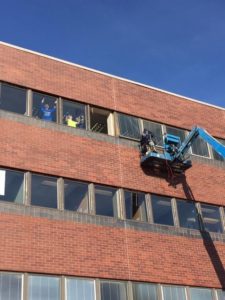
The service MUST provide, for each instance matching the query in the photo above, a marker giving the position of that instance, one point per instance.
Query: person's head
(46, 106)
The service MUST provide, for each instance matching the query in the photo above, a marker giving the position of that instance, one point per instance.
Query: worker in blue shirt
(47, 113)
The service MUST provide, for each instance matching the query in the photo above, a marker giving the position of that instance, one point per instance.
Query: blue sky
(175, 45)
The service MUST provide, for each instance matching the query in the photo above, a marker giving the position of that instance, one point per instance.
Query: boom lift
(174, 155)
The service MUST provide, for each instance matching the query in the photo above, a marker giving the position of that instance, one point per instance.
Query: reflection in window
(113, 290)
(200, 147)
(211, 218)
(176, 132)
(215, 154)
(129, 126)
(135, 206)
(44, 191)
(105, 201)
(44, 107)
(156, 129)
(221, 295)
(162, 210)
(144, 291)
(200, 294)
(174, 293)
(188, 215)
(101, 120)
(10, 286)
(11, 186)
(74, 114)
(80, 289)
(43, 288)
(12, 98)
(76, 196)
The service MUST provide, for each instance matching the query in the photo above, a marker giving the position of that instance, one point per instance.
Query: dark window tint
(143, 291)
(105, 201)
(101, 120)
(156, 129)
(135, 206)
(12, 98)
(221, 295)
(74, 114)
(162, 210)
(10, 286)
(80, 289)
(200, 147)
(174, 293)
(211, 218)
(44, 191)
(215, 154)
(43, 288)
(129, 126)
(113, 291)
(187, 213)
(76, 196)
(44, 107)
(176, 132)
(11, 186)
(200, 294)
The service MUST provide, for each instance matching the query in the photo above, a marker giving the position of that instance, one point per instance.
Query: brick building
(80, 219)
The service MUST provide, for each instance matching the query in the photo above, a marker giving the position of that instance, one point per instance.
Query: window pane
(174, 293)
(143, 291)
(221, 295)
(215, 154)
(211, 218)
(129, 126)
(176, 132)
(162, 210)
(12, 98)
(113, 291)
(11, 186)
(105, 201)
(10, 286)
(101, 120)
(199, 147)
(44, 191)
(80, 289)
(187, 213)
(44, 107)
(74, 114)
(76, 196)
(156, 129)
(135, 206)
(200, 294)
(43, 288)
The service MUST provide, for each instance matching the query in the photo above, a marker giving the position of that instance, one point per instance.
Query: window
(200, 294)
(156, 129)
(144, 291)
(80, 289)
(11, 186)
(74, 114)
(215, 154)
(43, 287)
(221, 295)
(187, 213)
(12, 98)
(44, 107)
(102, 121)
(105, 201)
(113, 290)
(44, 191)
(10, 286)
(211, 218)
(135, 206)
(176, 132)
(129, 126)
(173, 293)
(162, 210)
(76, 196)
(200, 147)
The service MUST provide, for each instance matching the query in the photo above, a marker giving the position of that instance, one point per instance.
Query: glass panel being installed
(129, 126)
(156, 129)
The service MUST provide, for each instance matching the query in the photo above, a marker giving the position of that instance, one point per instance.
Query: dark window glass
(176, 132)
(12, 98)
(200, 294)
(74, 114)
(113, 290)
(44, 191)
(129, 126)
(76, 196)
(43, 288)
(174, 293)
(211, 218)
(188, 215)
(105, 201)
(156, 129)
(10, 286)
(135, 206)
(162, 210)
(200, 147)
(144, 291)
(101, 120)
(11, 186)
(80, 289)
(221, 295)
(215, 154)
(44, 107)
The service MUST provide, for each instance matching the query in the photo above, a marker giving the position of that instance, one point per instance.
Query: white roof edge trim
(109, 75)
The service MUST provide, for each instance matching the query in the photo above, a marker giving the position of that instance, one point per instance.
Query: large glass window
(44, 107)
(200, 294)
(220, 295)
(215, 154)
(76, 196)
(74, 114)
(174, 293)
(200, 147)
(176, 132)
(129, 126)
(43, 288)
(162, 210)
(105, 201)
(188, 215)
(113, 290)
(10, 286)
(135, 206)
(156, 129)
(144, 291)
(101, 120)
(12, 98)
(211, 218)
(80, 289)
(11, 186)
(44, 191)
